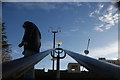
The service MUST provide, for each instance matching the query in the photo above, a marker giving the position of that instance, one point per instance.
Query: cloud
(91, 14)
(106, 50)
(75, 3)
(110, 18)
(107, 18)
(110, 50)
(99, 28)
(100, 6)
(112, 9)
(88, 4)
(17, 51)
(47, 5)
(97, 11)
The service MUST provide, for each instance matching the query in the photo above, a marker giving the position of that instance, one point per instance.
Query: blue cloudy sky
(79, 21)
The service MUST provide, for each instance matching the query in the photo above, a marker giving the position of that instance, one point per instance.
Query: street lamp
(59, 43)
(54, 38)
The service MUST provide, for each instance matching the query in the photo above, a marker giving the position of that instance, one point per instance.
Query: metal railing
(14, 69)
(96, 66)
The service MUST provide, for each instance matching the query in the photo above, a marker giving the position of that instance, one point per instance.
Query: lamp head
(59, 43)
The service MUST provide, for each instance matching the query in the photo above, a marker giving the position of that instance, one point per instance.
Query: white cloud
(113, 58)
(77, 4)
(91, 14)
(17, 51)
(97, 11)
(112, 9)
(101, 6)
(108, 26)
(106, 50)
(108, 18)
(99, 28)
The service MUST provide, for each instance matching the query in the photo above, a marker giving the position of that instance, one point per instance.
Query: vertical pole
(88, 43)
(54, 40)
(53, 47)
(58, 62)
(58, 66)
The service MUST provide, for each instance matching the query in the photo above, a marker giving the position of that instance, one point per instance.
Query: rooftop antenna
(87, 51)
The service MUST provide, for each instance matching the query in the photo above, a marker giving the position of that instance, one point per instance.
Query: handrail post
(58, 57)
(58, 66)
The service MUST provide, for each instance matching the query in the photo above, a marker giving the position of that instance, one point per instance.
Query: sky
(79, 21)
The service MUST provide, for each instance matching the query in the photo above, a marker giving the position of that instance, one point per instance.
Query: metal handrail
(14, 69)
(97, 66)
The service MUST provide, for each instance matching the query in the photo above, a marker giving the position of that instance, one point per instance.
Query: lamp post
(54, 38)
(58, 51)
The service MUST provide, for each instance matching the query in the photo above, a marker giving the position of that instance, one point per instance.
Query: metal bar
(58, 67)
(88, 44)
(53, 48)
(14, 69)
(97, 66)
(58, 62)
